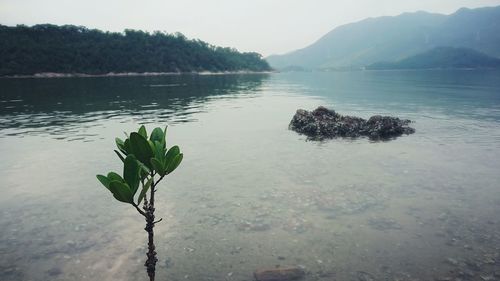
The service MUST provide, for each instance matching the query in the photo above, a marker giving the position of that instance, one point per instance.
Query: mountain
(73, 49)
(395, 38)
(442, 57)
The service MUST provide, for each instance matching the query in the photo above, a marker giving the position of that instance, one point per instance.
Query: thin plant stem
(150, 223)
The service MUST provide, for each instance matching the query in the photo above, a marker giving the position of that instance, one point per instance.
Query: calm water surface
(250, 193)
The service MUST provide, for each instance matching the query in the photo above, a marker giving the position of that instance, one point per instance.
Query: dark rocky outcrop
(323, 123)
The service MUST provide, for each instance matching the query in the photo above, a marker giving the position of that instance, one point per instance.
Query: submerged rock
(324, 123)
(384, 224)
(365, 276)
(279, 274)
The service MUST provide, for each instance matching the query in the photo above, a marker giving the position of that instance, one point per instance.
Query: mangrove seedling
(146, 161)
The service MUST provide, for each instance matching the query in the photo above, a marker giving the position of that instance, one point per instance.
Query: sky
(264, 26)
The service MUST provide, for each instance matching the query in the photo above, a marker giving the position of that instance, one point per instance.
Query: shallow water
(250, 193)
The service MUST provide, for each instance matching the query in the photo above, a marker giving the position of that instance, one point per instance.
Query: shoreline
(131, 74)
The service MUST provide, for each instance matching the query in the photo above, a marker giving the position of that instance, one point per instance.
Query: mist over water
(250, 193)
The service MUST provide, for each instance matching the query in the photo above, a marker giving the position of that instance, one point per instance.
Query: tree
(75, 49)
(145, 163)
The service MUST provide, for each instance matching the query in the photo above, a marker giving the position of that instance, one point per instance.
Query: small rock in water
(384, 224)
(189, 249)
(279, 274)
(452, 261)
(54, 271)
(323, 123)
(254, 226)
(444, 279)
(168, 262)
(365, 276)
(473, 265)
(9, 270)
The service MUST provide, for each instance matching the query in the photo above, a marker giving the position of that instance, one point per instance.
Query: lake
(251, 194)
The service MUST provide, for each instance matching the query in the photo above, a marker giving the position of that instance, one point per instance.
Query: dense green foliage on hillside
(73, 49)
(442, 57)
(394, 38)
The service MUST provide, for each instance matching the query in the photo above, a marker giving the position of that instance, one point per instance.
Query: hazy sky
(265, 26)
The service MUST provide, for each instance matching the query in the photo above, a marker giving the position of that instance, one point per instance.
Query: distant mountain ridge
(395, 38)
(442, 58)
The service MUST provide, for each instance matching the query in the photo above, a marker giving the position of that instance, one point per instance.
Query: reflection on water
(62, 106)
(251, 194)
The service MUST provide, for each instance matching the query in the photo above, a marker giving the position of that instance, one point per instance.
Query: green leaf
(121, 191)
(152, 145)
(142, 132)
(131, 173)
(165, 137)
(144, 190)
(141, 149)
(172, 152)
(158, 166)
(104, 180)
(175, 163)
(112, 176)
(119, 155)
(159, 151)
(126, 147)
(157, 135)
(119, 143)
(145, 171)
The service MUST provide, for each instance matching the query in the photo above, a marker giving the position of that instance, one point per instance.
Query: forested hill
(73, 49)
